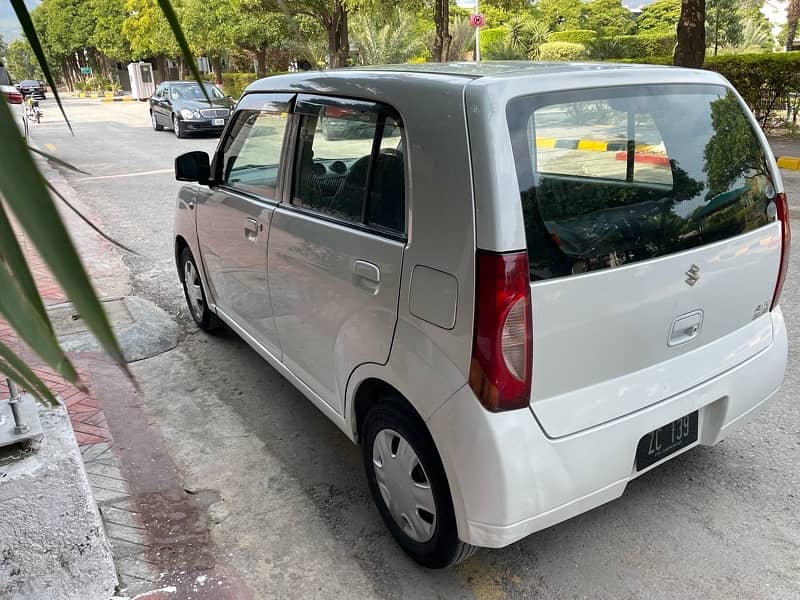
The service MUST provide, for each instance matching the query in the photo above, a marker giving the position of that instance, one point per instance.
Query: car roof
(374, 81)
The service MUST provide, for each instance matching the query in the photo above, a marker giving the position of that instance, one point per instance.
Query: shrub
(234, 83)
(764, 79)
(493, 37)
(633, 46)
(562, 51)
(574, 36)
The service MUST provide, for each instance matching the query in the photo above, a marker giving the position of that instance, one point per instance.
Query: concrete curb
(53, 538)
(589, 145)
(789, 162)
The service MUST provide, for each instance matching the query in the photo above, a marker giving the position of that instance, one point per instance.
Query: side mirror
(193, 166)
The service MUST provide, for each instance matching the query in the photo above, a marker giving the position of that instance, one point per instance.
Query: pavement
(219, 480)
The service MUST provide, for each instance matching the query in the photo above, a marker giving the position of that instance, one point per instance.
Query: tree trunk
(691, 48)
(792, 14)
(181, 68)
(261, 62)
(338, 36)
(216, 64)
(441, 18)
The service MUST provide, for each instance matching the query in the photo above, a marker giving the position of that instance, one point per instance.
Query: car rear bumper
(508, 479)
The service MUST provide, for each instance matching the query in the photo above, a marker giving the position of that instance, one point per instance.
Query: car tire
(156, 126)
(195, 294)
(178, 128)
(401, 458)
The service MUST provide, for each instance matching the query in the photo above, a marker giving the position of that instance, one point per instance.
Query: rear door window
(614, 176)
(349, 163)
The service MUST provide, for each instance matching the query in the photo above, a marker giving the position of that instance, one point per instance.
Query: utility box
(142, 84)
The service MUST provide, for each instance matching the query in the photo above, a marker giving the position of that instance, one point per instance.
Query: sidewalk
(109, 486)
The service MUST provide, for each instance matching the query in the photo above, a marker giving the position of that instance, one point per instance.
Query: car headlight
(188, 114)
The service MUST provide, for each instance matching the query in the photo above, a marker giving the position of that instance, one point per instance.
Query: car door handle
(251, 229)
(366, 275)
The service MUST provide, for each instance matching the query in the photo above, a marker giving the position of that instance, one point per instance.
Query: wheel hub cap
(404, 485)
(194, 291)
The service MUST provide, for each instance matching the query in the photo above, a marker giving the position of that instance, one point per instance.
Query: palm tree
(395, 42)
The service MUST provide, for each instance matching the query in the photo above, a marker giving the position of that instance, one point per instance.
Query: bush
(562, 51)
(574, 36)
(493, 37)
(764, 79)
(633, 46)
(234, 83)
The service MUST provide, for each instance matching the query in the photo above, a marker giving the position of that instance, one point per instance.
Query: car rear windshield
(4, 78)
(617, 175)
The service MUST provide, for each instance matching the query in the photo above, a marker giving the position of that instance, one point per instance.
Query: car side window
(349, 163)
(251, 154)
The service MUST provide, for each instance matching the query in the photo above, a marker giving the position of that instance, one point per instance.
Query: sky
(9, 26)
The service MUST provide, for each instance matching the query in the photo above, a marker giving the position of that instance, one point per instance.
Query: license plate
(219, 121)
(666, 440)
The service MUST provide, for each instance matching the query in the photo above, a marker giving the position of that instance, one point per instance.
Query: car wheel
(178, 128)
(156, 126)
(409, 486)
(195, 294)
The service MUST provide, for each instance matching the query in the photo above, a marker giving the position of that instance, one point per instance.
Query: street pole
(477, 37)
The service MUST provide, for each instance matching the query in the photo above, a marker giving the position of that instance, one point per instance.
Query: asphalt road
(293, 517)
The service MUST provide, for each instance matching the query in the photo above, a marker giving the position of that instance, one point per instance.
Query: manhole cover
(67, 321)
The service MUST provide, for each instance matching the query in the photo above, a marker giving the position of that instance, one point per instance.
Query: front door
(235, 215)
(336, 247)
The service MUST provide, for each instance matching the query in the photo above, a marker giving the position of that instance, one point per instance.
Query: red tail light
(14, 97)
(784, 218)
(501, 369)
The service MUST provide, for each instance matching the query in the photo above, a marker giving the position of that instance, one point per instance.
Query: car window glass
(613, 176)
(338, 160)
(252, 153)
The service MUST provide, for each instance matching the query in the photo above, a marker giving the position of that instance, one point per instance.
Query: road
(292, 515)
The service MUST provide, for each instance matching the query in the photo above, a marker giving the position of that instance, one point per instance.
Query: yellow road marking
(50, 147)
(593, 145)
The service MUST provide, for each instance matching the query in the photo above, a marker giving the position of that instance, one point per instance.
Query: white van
(517, 285)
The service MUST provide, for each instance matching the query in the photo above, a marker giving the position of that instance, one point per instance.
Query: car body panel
(165, 108)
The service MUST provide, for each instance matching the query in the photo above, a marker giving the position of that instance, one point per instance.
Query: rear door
(336, 245)
(234, 217)
(654, 247)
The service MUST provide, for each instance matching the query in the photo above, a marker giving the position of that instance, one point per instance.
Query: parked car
(182, 106)
(32, 87)
(532, 284)
(7, 88)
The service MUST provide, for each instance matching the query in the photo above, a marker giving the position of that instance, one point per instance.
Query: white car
(528, 285)
(10, 93)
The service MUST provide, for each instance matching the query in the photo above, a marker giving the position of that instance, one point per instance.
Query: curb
(118, 99)
(788, 162)
(590, 145)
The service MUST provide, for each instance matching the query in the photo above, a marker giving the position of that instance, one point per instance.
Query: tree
(148, 33)
(394, 42)
(691, 48)
(21, 61)
(109, 17)
(723, 24)
(3, 47)
(608, 17)
(209, 29)
(331, 14)
(257, 28)
(441, 19)
(561, 14)
(792, 15)
(661, 16)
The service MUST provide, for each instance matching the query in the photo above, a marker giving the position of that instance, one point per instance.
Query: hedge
(492, 36)
(764, 79)
(630, 46)
(573, 36)
(562, 51)
(235, 83)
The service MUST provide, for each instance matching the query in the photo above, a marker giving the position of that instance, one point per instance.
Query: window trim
(311, 105)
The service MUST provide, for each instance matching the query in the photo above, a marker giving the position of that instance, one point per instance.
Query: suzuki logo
(693, 275)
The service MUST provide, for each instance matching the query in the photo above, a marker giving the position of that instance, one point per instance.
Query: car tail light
(783, 216)
(501, 368)
(14, 97)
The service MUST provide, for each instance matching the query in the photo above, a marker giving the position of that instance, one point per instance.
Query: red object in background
(476, 20)
(642, 157)
(13, 97)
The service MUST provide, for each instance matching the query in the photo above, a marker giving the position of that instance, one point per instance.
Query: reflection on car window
(253, 152)
(338, 162)
(192, 91)
(611, 177)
